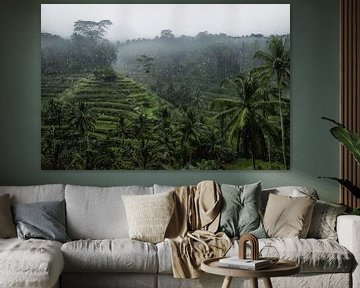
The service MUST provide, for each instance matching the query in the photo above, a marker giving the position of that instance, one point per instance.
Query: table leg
(254, 282)
(227, 282)
(267, 283)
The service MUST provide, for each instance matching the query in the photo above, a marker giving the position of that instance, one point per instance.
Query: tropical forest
(205, 102)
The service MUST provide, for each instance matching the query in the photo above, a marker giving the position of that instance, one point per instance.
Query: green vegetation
(207, 102)
(351, 142)
(85, 51)
(247, 164)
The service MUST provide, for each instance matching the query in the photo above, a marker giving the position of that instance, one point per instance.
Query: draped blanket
(191, 232)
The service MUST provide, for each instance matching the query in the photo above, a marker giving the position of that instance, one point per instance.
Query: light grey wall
(314, 92)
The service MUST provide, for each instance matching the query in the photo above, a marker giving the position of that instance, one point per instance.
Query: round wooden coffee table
(281, 268)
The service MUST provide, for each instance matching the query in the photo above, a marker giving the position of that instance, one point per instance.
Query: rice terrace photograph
(165, 86)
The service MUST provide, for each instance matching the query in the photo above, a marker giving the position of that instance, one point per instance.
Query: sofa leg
(227, 282)
(267, 282)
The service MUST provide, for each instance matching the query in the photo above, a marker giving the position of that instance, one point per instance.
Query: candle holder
(254, 246)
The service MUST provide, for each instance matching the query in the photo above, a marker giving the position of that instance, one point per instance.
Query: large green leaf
(348, 138)
(348, 185)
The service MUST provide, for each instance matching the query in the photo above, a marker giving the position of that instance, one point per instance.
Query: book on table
(249, 264)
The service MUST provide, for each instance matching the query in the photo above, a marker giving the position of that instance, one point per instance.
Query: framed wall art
(165, 86)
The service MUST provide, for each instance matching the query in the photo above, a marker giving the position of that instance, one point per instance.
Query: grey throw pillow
(44, 220)
(7, 227)
(240, 213)
(323, 222)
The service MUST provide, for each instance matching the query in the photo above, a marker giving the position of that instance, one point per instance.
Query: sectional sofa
(100, 253)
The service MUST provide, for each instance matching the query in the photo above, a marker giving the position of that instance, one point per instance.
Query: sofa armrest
(348, 230)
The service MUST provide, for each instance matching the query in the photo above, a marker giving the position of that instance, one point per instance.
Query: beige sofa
(101, 254)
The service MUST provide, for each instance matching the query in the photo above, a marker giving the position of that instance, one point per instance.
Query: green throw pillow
(240, 213)
(323, 222)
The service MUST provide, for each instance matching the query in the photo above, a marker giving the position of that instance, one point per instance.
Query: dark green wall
(314, 56)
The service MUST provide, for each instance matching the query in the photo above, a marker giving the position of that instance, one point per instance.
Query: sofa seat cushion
(30, 263)
(115, 255)
(313, 255)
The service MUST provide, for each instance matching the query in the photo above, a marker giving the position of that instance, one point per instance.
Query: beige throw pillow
(288, 217)
(7, 226)
(149, 215)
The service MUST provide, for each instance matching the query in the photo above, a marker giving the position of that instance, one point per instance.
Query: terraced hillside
(89, 122)
(112, 122)
(54, 85)
(109, 100)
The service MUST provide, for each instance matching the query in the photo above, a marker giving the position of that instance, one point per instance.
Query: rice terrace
(139, 89)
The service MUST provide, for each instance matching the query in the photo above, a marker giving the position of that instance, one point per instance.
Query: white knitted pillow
(149, 215)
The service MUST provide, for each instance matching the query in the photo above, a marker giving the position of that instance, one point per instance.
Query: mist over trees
(210, 101)
(204, 60)
(88, 49)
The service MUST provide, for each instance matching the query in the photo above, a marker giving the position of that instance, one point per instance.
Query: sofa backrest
(293, 191)
(36, 193)
(98, 212)
(162, 188)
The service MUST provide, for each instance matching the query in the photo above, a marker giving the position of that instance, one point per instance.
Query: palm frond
(226, 113)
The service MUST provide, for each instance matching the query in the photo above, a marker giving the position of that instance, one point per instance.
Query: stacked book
(248, 264)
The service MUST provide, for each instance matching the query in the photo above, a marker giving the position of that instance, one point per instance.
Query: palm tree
(142, 128)
(164, 134)
(53, 111)
(197, 101)
(163, 125)
(188, 128)
(82, 119)
(276, 64)
(121, 127)
(246, 122)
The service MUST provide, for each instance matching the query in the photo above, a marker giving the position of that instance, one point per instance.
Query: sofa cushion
(313, 255)
(240, 210)
(117, 255)
(98, 213)
(323, 222)
(149, 215)
(36, 193)
(164, 257)
(30, 263)
(287, 216)
(163, 188)
(7, 226)
(43, 220)
(291, 191)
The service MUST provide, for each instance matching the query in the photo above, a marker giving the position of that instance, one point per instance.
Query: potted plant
(351, 141)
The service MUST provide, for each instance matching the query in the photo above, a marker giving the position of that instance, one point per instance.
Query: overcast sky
(132, 21)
